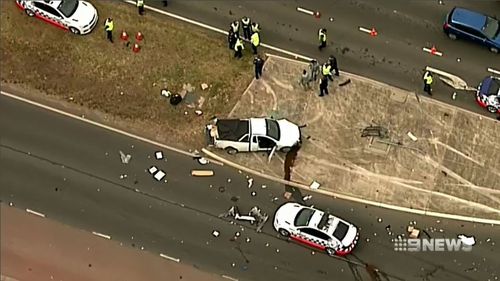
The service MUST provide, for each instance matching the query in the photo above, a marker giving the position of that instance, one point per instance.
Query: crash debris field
(449, 164)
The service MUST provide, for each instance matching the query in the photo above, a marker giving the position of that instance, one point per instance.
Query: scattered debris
(287, 195)
(345, 83)
(375, 131)
(237, 234)
(152, 169)
(247, 240)
(467, 240)
(314, 185)
(412, 137)
(204, 86)
(125, 157)
(159, 155)
(264, 186)
(202, 173)
(198, 112)
(454, 96)
(202, 161)
(159, 175)
(250, 182)
(307, 197)
(277, 251)
(123, 176)
(413, 231)
(228, 180)
(379, 220)
(255, 215)
(215, 233)
(253, 193)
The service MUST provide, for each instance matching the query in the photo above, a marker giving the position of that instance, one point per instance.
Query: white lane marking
(229, 277)
(432, 52)
(96, 124)
(35, 213)
(351, 198)
(305, 11)
(493, 70)
(169, 258)
(101, 235)
(365, 29)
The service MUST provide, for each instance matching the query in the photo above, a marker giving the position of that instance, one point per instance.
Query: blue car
(461, 23)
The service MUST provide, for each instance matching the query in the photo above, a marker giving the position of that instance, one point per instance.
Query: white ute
(254, 134)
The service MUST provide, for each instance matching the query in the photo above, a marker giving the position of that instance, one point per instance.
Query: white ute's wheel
(231, 150)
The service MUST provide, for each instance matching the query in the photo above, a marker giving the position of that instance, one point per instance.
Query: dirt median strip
(90, 72)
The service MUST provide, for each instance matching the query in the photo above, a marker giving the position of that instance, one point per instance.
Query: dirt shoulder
(90, 76)
(58, 252)
(452, 167)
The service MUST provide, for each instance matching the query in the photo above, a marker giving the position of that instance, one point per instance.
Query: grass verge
(91, 73)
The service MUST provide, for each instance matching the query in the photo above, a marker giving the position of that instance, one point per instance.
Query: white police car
(79, 17)
(316, 228)
(488, 94)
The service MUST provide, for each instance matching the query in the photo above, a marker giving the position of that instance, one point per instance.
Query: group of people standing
(322, 72)
(250, 32)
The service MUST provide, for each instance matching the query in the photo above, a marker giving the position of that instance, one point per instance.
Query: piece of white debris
(158, 155)
(198, 112)
(267, 244)
(125, 157)
(215, 233)
(237, 234)
(253, 193)
(203, 161)
(159, 175)
(248, 240)
(314, 185)
(123, 176)
(152, 169)
(166, 93)
(412, 136)
(467, 240)
(277, 250)
(250, 182)
(204, 86)
(379, 219)
(228, 180)
(307, 197)
(264, 186)
(11, 204)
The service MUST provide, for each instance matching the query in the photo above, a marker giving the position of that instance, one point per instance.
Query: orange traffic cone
(139, 36)
(433, 50)
(124, 36)
(373, 32)
(136, 48)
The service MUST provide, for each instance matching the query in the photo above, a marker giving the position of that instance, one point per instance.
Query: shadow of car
(466, 24)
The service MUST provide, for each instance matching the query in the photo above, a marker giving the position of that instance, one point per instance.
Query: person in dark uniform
(332, 60)
(246, 25)
(231, 38)
(259, 64)
(323, 86)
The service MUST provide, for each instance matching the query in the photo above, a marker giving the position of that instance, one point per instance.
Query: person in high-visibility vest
(428, 82)
(238, 48)
(255, 27)
(140, 6)
(326, 70)
(108, 27)
(245, 24)
(235, 25)
(322, 38)
(255, 40)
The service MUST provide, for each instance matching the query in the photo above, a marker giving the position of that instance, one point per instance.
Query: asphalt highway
(72, 172)
(395, 56)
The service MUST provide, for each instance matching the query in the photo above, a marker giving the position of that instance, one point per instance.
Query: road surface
(72, 172)
(395, 56)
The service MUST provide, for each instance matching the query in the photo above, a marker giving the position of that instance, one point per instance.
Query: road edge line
(103, 126)
(351, 198)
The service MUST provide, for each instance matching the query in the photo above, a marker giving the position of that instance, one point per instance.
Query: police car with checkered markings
(79, 17)
(316, 229)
